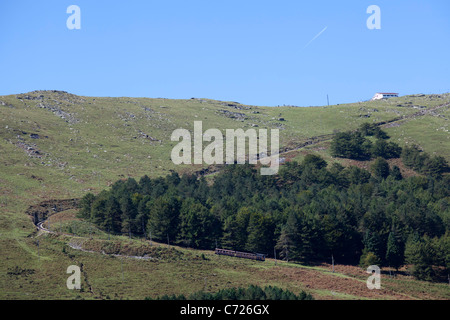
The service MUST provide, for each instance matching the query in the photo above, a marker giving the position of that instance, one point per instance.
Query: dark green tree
(229, 232)
(128, 216)
(260, 232)
(380, 168)
(145, 185)
(163, 218)
(394, 251)
(419, 253)
(396, 173)
(241, 227)
(350, 145)
(384, 149)
(112, 221)
(288, 239)
(98, 208)
(141, 219)
(372, 129)
(315, 161)
(435, 166)
(85, 205)
(199, 228)
(311, 245)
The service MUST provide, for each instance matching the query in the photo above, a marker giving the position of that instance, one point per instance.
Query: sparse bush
(369, 258)
(253, 292)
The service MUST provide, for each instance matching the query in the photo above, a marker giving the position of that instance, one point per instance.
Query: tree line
(309, 212)
(370, 142)
(252, 293)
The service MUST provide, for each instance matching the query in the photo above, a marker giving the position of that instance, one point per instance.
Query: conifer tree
(394, 251)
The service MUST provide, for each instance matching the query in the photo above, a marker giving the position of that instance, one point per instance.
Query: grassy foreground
(116, 267)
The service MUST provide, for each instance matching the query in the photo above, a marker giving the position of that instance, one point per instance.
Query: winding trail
(76, 243)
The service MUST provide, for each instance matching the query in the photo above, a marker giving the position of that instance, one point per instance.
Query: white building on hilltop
(384, 95)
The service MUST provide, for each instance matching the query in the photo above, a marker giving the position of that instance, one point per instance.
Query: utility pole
(332, 262)
(121, 267)
(275, 255)
(328, 100)
(143, 229)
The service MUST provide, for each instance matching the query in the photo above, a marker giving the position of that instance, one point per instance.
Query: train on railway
(239, 254)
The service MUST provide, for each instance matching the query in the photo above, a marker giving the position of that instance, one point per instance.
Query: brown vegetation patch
(325, 285)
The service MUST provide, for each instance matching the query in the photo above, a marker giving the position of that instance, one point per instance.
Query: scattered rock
(68, 117)
(146, 136)
(233, 115)
(235, 105)
(30, 149)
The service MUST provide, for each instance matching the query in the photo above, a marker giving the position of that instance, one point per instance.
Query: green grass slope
(56, 145)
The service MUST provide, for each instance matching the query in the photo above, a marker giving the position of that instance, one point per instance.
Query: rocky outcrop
(46, 208)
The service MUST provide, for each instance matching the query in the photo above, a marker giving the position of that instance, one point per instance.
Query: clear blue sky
(253, 52)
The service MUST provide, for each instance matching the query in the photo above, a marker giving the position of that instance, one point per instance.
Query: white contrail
(317, 35)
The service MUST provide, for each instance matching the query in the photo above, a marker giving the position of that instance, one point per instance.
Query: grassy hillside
(55, 145)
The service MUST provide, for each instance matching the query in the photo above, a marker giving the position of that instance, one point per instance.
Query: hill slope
(56, 145)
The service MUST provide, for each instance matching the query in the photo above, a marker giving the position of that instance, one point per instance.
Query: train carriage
(239, 254)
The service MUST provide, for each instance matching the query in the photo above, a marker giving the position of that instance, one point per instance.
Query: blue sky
(249, 51)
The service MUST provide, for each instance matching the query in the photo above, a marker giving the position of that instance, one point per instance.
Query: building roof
(387, 92)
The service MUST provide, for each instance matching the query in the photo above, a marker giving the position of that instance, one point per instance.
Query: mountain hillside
(57, 145)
